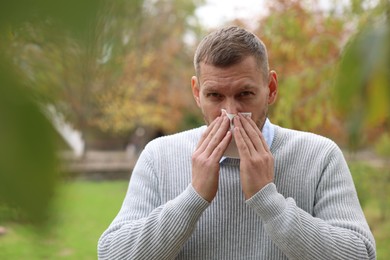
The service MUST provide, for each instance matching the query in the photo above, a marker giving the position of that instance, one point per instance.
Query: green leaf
(28, 158)
(362, 92)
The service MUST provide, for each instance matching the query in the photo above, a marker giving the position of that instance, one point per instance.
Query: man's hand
(208, 153)
(256, 160)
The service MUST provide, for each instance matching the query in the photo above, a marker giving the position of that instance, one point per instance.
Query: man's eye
(246, 93)
(214, 95)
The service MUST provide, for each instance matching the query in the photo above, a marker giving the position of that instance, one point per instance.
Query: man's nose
(231, 107)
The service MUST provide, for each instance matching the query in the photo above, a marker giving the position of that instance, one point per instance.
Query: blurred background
(84, 85)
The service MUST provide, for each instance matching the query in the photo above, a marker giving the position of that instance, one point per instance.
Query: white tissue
(232, 150)
(231, 117)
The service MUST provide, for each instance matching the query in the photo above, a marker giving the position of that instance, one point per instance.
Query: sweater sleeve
(336, 230)
(144, 229)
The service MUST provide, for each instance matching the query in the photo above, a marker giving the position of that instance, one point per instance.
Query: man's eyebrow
(247, 87)
(210, 89)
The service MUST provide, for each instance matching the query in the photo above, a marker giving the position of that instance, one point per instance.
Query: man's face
(238, 88)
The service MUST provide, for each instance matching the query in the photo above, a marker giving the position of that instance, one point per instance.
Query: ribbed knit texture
(311, 211)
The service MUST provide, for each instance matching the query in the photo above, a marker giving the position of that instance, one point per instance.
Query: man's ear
(273, 87)
(195, 89)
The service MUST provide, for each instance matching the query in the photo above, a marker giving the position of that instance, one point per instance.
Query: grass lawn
(381, 230)
(84, 209)
(373, 187)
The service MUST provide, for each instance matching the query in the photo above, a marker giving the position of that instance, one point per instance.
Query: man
(289, 195)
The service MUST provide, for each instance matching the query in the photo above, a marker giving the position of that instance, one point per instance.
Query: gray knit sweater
(311, 211)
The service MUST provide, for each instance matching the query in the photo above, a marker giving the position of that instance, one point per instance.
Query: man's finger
(215, 139)
(251, 132)
(206, 134)
(221, 148)
(246, 137)
(262, 145)
(253, 124)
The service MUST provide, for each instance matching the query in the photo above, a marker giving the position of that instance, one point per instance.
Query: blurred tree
(154, 86)
(60, 65)
(129, 72)
(304, 43)
(28, 155)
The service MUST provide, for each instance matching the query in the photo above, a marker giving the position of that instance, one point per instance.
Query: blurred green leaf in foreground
(28, 164)
(27, 150)
(363, 81)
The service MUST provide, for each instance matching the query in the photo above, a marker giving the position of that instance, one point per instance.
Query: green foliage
(303, 48)
(362, 93)
(156, 64)
(102, 82)
(73, 16)
(28, 153)
(28, 162)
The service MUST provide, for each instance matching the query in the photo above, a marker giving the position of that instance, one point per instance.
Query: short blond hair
(229, 46)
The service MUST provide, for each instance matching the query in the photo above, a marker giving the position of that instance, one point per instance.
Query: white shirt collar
(268, 132)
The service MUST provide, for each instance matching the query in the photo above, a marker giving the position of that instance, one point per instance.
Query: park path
(119, 164)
